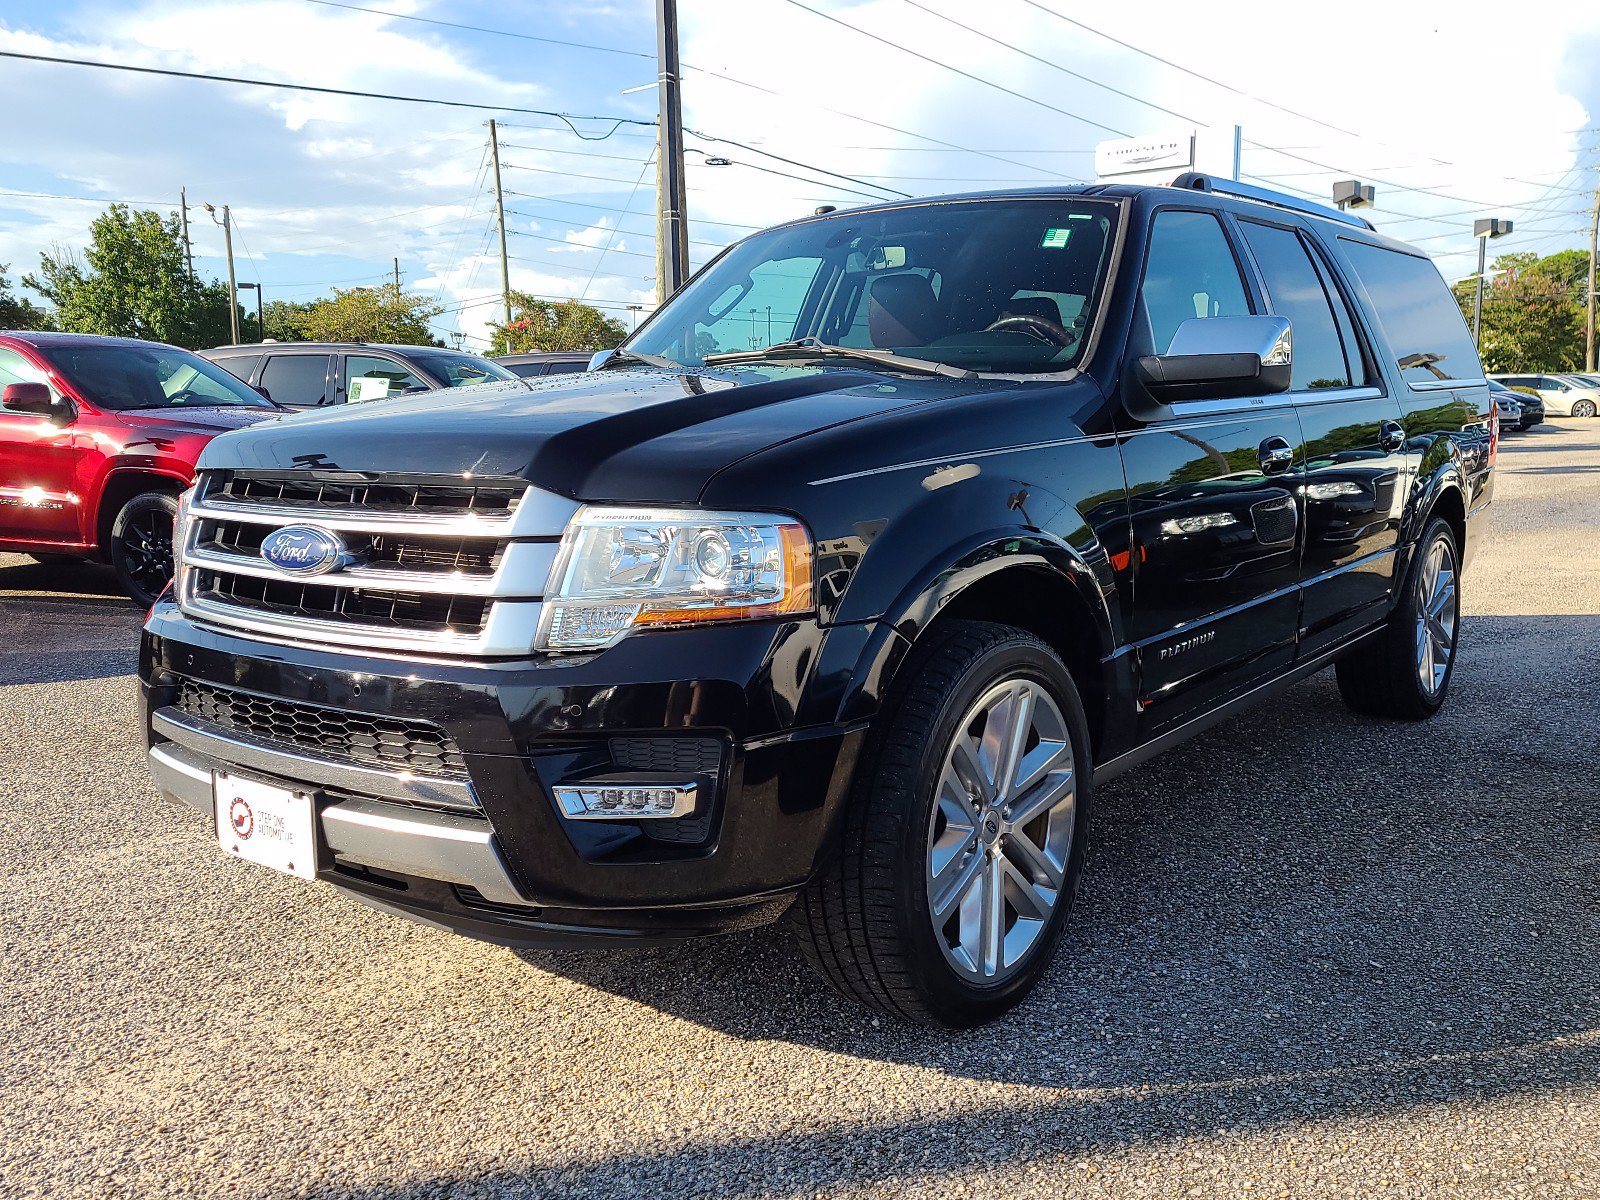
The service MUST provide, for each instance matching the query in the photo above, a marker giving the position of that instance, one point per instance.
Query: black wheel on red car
(964, 840)
(141, 545)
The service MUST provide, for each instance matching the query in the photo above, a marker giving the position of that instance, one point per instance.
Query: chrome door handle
(1391, 435)
(1275, 456)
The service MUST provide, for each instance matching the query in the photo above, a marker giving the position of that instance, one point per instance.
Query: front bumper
(487, 851)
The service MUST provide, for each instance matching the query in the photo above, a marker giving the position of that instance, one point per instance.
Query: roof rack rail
(1194, 181)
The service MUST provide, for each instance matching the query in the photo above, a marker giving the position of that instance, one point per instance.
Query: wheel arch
(123, 485)
(1026, 580)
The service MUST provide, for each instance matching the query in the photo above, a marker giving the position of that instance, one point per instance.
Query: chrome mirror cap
(1270, 339)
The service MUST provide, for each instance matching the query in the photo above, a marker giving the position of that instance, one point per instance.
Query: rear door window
(1295, 290)
(297, 380)
(1189, 272)
(1420, 319)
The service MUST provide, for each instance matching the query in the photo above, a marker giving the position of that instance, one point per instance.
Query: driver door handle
(1275, 456)
(1391, 435)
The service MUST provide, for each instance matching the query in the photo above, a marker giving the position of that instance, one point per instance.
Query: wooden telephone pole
(672, 223)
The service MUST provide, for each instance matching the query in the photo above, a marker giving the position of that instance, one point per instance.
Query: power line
(958, 71)
(1054, 66)
(568, 118)
(616, 209)
(526, 37)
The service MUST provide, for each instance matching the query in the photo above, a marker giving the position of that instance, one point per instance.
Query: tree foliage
(19, 313)
(1533, 312)
(550, 325)
(132, 281)
(375, 314)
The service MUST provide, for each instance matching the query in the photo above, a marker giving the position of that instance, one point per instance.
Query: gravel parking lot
(1316, 956)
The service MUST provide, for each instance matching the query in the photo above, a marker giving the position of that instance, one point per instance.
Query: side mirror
(35, 399)
(265, 395)
(1221, 358)
(599, 359)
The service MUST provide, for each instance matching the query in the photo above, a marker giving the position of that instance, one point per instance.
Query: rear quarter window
(1421, 323)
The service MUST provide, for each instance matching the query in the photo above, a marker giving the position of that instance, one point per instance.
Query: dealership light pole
(233, 287)
(1589, 363)
(1352, 193)
(1491, 227)
(261, 308)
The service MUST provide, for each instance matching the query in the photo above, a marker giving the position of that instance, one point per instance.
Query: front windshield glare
(1001, 286)
(115, 376)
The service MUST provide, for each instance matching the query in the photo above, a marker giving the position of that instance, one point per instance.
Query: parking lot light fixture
(1483, 230)
(1352, 193)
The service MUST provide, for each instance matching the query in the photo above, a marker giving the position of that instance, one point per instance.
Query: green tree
(555, 325)
(19, 313)
(132, 282)
(376, 314)
(286, 320)
(1532, 311)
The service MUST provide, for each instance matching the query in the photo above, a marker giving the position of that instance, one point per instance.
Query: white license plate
(265, 824)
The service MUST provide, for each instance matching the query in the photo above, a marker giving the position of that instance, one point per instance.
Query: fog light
(625, 801)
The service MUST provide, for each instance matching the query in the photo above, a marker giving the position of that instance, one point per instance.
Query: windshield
(119, 377)
(458, 370)
(1003, 286)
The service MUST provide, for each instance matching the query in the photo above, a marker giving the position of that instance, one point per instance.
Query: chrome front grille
(431, 564)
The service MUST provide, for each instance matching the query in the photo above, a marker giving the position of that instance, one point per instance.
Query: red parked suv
(98, 436)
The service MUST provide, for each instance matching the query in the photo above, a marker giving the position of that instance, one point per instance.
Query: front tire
(141, 545)
(1405, 671)
(1583, 408)
(963, 844)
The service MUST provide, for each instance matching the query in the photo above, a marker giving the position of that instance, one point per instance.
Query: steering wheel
(183, 395)
(1041, 327)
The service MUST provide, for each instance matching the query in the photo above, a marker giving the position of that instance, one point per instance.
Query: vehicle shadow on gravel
(1301, 913)
(64, 623)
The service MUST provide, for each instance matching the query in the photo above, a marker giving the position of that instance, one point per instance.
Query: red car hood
(193, 420)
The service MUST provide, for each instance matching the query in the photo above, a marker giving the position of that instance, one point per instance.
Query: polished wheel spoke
(1001, 831)
(1436, 617)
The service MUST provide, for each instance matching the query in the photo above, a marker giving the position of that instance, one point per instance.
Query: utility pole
(672, 225)
(397, 274)
(1589, 363)
(233, 286)
(183, 219)
(500, 217)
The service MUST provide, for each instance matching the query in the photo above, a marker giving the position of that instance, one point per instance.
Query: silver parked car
(1563, 395)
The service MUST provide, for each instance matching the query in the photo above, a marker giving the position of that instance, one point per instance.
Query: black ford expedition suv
(834, 592)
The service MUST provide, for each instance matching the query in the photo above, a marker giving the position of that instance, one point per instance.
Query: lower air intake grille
(388, 742)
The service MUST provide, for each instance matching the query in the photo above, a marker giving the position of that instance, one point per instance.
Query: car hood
(165, 423)
(621, 434)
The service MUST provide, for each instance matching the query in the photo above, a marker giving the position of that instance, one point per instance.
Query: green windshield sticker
(1055, 239)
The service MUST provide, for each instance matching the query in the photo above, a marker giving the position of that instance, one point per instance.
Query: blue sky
(1439, 107)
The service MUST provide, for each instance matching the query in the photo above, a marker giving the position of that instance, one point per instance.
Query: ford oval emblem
(303, 550)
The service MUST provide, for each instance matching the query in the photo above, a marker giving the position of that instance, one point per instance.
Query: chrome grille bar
(415, 607)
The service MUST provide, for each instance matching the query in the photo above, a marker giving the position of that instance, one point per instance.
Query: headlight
(621, 569)
(180, 542)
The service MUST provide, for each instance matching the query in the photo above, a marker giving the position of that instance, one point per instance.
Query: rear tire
(141, 545)
(936, 824)
(1404, 672)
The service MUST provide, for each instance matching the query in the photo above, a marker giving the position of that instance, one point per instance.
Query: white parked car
(1563, 395)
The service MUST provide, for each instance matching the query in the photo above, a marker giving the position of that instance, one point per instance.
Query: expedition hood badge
(303, 550)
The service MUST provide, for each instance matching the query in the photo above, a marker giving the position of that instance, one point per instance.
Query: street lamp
(1352, 193)
(261, 307)
(233, 288)
(1490, 227)
(635, 310)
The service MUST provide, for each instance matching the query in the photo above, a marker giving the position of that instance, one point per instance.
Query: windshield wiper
(649, 360)
(810, 347)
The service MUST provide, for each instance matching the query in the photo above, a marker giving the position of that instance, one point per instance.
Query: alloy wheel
(145, 546)
(1001, 830)
(1583, 408)
(1437, 611)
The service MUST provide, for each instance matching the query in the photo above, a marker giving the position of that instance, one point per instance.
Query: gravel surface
(1316, 956)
